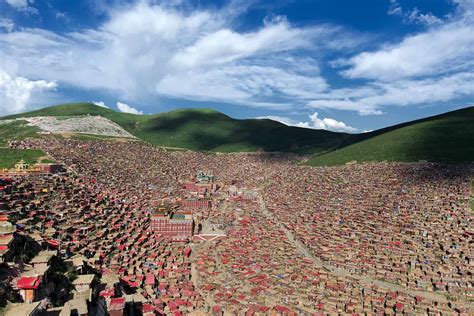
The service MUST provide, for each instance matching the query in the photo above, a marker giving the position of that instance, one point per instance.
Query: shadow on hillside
(211, 131)
(429, 173)
(173, 121)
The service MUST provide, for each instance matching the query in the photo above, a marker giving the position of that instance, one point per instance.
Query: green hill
(206, 129)
(447, 137)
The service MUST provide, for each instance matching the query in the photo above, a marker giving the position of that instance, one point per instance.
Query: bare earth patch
(94, 125)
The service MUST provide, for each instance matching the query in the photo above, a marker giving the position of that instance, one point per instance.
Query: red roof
(150, 279)
(281, 309)
(27, 283)
(5, 238)
(195, 204)
(399, 306)
(117, 303)
(147, 308)
(53, 243)
(107, 293)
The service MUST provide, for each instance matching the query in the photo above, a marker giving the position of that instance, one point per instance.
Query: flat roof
(84, 279)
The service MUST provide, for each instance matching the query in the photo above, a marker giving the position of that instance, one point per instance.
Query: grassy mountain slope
(205, 129)
(447, 137)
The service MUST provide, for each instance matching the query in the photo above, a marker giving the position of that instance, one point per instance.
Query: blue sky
(339, 65)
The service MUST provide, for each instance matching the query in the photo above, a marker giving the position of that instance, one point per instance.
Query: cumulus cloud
(315, 122)
(285, 120)
(125, 108)
(144, 50)
(330, 124)
(17, 92)
(101, 104)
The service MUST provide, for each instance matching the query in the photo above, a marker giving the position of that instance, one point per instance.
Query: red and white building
(178, 226)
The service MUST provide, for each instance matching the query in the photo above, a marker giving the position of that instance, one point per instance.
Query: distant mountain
(448, 137)
(207, 130)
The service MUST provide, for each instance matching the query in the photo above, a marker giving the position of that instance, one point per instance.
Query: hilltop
(206, 130)
(448, 137)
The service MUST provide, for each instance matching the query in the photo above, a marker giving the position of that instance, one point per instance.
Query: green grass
(16, 130)
(9, 157)
(207, 130)
(444, 138)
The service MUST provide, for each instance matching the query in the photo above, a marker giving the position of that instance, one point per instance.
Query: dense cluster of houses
(406, 224)
(114, 235)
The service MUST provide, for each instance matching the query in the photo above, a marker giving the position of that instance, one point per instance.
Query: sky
(341, 65)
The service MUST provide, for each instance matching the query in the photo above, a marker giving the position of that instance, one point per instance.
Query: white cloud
(285, 120)
(23, 5)
(370, 99)
(241, 84)
(442, 49)
(413, 16)
(466, 6)
(18, 4)
(395, 8)
(330, 124)
(434, 66)
(143, 51)
(125, 108)
(62, 16)
(315, 123)
(101, 104)
(274, 37)
(7, 24)
(17, 92)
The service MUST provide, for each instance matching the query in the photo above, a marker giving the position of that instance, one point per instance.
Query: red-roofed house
(116, 306)
(28, 287)
(150, 279)
(148, 310)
